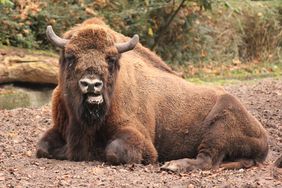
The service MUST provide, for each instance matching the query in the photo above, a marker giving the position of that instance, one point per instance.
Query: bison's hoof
(172, 166)
(183, 165)
(42, 150)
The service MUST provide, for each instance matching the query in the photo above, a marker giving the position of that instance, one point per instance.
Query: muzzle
(92, 89)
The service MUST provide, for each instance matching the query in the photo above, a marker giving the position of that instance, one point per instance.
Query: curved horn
(129, 45)
(55, 39)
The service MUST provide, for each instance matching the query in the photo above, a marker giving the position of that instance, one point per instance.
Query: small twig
(25, 61)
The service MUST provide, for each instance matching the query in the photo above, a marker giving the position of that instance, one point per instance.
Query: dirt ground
(21, 128)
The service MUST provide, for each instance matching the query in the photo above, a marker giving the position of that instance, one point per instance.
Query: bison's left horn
(55, 39)
(129, 45)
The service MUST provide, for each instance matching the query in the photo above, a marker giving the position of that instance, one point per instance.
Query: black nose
(90, 85)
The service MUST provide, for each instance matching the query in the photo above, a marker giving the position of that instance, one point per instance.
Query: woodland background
(204, 39)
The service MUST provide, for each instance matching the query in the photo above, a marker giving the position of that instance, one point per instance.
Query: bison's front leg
(51, 146)
(130, 146)
(76, 148)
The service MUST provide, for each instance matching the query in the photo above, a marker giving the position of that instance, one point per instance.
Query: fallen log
(18, 65)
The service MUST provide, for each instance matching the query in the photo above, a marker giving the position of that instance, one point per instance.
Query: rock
(277, 170)
(278, 162)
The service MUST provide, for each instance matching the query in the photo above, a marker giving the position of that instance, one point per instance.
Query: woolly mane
(151, 57)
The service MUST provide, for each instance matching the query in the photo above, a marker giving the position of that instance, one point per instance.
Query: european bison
(118, 102)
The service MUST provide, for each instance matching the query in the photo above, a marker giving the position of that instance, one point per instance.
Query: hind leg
(211, 151)
(205, 160)
(51, 146)
(210, 155)
(241, 151)
(230, 133)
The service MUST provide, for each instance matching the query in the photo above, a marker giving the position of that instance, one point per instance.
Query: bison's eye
(70, 59)
(111, 60)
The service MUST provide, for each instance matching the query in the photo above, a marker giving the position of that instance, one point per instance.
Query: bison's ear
(55, 39)
(129, 45)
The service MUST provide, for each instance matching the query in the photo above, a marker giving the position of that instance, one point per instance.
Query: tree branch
(162, 29)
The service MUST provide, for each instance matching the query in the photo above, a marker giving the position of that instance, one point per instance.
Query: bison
(118, 102)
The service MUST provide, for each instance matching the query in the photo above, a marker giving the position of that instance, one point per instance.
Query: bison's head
(89, 66)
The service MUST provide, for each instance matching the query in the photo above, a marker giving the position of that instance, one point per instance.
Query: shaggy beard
(89, 114)
(93, 114)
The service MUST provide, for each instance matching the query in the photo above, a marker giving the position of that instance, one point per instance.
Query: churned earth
(21, 128)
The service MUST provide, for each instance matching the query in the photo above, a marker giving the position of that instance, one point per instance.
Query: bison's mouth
(94, 99)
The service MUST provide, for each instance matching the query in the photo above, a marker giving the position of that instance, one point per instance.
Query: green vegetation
(223, 39)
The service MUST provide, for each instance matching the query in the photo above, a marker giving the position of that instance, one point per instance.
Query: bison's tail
(242, 163)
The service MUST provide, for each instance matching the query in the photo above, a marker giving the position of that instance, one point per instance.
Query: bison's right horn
(55, 39)
(129, 45)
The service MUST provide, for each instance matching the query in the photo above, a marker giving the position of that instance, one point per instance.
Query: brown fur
(149, 113)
